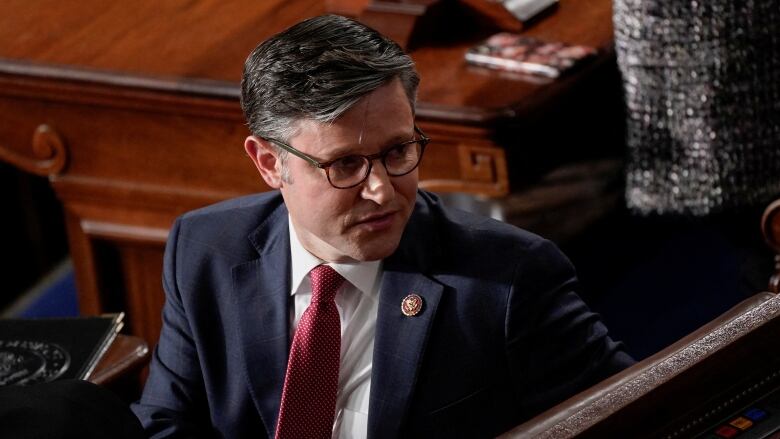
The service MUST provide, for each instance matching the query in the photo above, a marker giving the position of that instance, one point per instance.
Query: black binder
(42, 350)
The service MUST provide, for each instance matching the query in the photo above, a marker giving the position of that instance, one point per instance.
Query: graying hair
(316, 70)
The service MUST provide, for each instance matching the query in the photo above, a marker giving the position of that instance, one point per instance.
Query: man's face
(363, 223)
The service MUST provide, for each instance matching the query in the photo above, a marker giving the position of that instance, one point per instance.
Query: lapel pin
(411, 305)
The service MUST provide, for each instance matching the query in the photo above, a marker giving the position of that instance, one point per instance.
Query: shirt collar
(362, 275)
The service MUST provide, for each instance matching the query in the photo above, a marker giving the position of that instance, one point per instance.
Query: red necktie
(310, 386)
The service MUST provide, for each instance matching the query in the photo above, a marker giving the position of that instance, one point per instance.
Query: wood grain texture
(48, 149)
(144, 99)
(125, 355)
(209, 40)
(770, 227)
(683, 390)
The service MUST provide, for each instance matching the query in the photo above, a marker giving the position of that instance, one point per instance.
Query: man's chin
(375, 251)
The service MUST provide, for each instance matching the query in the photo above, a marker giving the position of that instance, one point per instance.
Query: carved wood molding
(123, 95)
(49, 151)
(138, 195)
(61, 73)
(213, 99)
(770, 226)
(585, 410)
(481, 167)
(126, 233)
(479, 163)
(497, 189)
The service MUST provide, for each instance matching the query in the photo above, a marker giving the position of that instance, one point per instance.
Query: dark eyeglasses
(351, 170)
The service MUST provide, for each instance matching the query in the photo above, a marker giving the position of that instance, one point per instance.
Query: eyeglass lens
(352, 170)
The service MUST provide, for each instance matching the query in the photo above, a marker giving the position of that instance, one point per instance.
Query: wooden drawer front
(463, 166)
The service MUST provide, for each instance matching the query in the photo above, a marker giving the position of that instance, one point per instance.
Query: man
(451, 325)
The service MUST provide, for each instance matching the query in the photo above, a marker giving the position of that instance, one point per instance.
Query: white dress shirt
(357, 302)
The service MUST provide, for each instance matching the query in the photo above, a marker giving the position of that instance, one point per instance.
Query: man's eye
(348, 163)
(400, 152)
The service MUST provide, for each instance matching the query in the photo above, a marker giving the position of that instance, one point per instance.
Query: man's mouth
(377, 221)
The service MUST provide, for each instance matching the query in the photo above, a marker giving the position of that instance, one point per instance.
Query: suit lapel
(262, 289)
(399, 342)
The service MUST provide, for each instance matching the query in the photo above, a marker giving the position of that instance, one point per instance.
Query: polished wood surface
(126, 354)
(208, 40)
(770, 227)
(131, 109)
(683, 391)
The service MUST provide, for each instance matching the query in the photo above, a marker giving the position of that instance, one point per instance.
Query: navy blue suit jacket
(501, 336)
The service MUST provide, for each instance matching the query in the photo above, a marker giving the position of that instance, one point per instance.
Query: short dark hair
(317, 70)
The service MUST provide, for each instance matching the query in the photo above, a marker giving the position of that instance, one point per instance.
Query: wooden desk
(131, 109)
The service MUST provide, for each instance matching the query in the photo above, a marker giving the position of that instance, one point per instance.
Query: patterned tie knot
(325, 281)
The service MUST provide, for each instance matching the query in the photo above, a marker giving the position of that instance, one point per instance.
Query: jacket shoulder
(473, 231)
(227, 227)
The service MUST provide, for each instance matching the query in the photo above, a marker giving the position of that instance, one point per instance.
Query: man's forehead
(379, 118)
(330, 139)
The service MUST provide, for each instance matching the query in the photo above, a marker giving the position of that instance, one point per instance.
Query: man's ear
(264, 155)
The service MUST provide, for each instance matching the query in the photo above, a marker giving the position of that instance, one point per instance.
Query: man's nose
(378, 187)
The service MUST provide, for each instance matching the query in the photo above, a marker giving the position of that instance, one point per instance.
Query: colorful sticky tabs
(755, 414)
(726, 431)
(741, 422)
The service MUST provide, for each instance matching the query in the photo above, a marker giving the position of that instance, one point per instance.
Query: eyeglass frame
(423, 141)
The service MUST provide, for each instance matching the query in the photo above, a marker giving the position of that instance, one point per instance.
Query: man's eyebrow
(353, 149)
